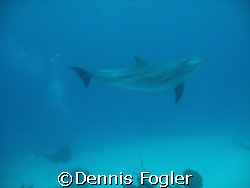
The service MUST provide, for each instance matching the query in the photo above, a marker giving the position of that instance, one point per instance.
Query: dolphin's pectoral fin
(178, 91)
(140, 62)
(83, 74)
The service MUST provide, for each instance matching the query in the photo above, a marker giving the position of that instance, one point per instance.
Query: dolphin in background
(241, 139)
(143, 77)
(63, 155)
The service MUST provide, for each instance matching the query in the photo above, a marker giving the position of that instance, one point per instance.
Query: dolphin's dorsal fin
(178, 91)
(140, 62)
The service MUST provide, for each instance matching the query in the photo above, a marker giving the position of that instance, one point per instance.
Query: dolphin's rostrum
(143, 77)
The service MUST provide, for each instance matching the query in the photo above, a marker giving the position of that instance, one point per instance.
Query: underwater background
(45, 106)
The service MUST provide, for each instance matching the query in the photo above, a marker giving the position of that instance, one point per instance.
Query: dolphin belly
(134, 80)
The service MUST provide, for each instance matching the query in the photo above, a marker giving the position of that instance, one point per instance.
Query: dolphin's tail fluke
(83, 74)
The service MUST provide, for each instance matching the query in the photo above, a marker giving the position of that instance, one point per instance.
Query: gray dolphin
(143, 77)
(63, 155)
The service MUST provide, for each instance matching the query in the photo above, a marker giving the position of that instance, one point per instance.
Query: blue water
(44, 105)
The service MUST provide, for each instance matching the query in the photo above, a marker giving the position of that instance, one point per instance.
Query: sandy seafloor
(212, 154)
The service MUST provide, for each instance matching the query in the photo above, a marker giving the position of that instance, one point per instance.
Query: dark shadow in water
(63, 155)
(241, 139)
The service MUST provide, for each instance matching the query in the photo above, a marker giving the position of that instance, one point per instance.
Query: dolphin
(241, 139)
(63, 155)
(144, 77)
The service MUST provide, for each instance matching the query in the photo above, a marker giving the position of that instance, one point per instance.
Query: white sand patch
(219, 162)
